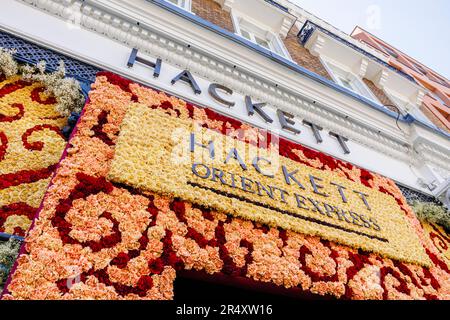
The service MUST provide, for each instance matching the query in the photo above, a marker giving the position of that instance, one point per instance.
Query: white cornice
(274, 18)
(362, 67)
(303, 16)
(381, 78)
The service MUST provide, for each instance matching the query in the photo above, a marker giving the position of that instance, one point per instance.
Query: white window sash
(274, 42)
(356, 83)
(184, 4)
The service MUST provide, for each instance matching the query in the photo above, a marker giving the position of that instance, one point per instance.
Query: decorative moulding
(199, 62)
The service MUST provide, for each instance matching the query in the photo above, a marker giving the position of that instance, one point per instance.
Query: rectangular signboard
(159, 153)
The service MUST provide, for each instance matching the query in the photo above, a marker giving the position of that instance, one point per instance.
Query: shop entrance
(192, 286)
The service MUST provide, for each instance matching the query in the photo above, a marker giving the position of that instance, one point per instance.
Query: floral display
(432, 213)
(66, 91)
(31, 146)
(166, 165)
(440, 238)
(96, 238)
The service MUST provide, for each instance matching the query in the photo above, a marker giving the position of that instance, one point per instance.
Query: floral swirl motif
(440, 239)
(25, 174)
(36, 96)
(38, 145)
(17, 116)
(4, 145)
(11, 87)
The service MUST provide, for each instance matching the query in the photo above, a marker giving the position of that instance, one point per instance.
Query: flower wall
(160, 153)
(440, 238)
(31, 144)
(95, 239)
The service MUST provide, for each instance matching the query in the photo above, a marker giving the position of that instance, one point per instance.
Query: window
(184, 4)
(419, 68)
(437, 98)
(388, 50)
(438, 79)
(259, 36)
(349, 81)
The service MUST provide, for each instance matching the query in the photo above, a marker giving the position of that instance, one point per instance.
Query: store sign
(224, 96)
(159, 153)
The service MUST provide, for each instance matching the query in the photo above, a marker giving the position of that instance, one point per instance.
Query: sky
(418, 28)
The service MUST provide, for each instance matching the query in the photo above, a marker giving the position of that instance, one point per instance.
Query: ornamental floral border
(31, 144)
(34, 105)
(95, 239)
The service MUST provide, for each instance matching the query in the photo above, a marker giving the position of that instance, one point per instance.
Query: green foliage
(432, 213)
(67, 91)
(8, 254)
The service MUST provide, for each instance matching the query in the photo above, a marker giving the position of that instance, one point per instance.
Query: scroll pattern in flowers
(30, 147)
(99, 240)
(440, 239)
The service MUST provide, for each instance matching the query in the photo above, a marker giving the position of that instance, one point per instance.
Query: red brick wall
(302, 56)
(211, 11)
(379, 93)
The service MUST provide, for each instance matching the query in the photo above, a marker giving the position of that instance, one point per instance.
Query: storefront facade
(340, 134)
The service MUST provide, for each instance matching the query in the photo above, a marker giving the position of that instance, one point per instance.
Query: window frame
(179, 3)
(357, 84)
(438, 79)
(242, 22)
(436, 97)
(390, 51)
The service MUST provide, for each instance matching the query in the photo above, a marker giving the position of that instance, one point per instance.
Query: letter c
(257, 167)
(213, 92)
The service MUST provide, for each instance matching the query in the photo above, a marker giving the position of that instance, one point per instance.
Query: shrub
(433, 213)
(8, 253)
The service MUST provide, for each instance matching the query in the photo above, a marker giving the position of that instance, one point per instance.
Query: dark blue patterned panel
(276, 4)
(412, 195)
(31, 53)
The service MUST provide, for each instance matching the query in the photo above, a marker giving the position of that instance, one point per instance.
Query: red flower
(36, 96)
(11, 87)
(145, 283)
(17, 116)
(98, 128)
(178, 207)
(123, 83)
(156, 266)
(4, 145)
(121, 260)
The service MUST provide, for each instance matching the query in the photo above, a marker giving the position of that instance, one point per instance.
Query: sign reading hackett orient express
(159, 153)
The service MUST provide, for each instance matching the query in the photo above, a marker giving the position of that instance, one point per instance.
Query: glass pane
(420, 68)
(175, 2)
(389, 51)
(246, 35)
(346, 83)
(439, 99)
(262, 42)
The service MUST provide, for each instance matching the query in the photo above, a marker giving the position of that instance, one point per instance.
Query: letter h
(210, 146)
(134, 57)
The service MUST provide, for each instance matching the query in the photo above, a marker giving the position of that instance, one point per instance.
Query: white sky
(419, 28)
